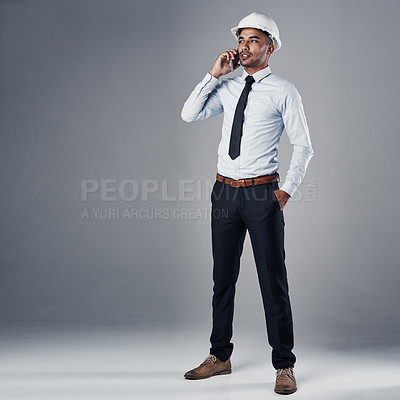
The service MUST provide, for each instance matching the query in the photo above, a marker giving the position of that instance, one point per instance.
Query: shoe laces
(285, 371)
(210, 359)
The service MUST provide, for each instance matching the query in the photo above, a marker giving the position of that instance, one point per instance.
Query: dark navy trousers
(236, 210)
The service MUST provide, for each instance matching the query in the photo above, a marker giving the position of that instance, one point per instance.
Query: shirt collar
(259, 74)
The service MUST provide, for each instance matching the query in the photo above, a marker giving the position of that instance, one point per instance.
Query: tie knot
(249, 80)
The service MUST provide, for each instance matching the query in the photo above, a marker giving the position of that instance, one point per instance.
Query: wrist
(214, 74)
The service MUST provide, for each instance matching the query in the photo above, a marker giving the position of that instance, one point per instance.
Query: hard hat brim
(277, 42)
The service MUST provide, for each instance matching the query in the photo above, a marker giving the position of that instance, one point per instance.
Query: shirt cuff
(210, 80)
(289, 188)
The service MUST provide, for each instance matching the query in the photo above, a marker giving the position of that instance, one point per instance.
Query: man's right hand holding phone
(222, 63)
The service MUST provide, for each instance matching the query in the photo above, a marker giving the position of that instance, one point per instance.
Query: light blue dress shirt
(274, 104)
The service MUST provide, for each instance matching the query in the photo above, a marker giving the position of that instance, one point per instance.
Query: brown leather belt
(261, 180)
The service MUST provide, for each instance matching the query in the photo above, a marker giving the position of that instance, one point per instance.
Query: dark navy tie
(237, 126)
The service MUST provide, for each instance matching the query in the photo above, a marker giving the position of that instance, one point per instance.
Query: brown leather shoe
(209, 367)
(285, 381)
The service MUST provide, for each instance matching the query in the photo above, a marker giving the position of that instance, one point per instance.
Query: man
(246, 196)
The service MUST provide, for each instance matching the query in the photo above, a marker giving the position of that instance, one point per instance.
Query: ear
(271, 49)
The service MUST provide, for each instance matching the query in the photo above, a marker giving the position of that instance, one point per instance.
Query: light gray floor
(101, 364)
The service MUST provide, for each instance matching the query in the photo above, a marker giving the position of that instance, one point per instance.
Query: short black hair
(265, 33)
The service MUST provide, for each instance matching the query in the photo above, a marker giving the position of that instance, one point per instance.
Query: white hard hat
(260, 21)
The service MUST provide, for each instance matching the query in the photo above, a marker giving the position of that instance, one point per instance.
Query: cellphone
(234, 62)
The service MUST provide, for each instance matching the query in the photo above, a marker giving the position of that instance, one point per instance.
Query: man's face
(254, 48)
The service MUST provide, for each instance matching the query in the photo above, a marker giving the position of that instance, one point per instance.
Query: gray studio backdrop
(105, 190)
